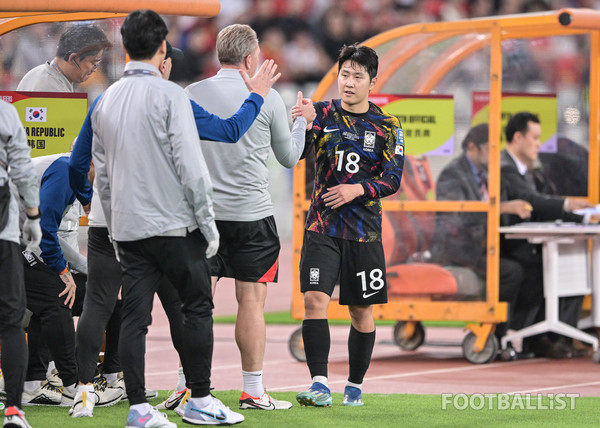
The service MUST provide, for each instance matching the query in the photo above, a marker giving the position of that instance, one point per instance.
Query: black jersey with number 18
(366, 149)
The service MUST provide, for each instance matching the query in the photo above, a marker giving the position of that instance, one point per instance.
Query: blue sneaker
(152, 419)
(318, 395)
(352, 396)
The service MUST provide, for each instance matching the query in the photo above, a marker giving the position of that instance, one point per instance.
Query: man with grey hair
(249, 244)
(79, 53)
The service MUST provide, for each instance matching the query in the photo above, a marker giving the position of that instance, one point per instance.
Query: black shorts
(248, 251)
(42, 284)
(360, 267)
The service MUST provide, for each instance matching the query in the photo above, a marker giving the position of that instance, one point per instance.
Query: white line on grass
(559, 387)
(421, 373)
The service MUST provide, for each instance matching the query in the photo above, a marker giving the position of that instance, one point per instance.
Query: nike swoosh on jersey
(328, 129)
(366, 296)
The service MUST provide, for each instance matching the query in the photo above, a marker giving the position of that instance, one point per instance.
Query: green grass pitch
(380, 410)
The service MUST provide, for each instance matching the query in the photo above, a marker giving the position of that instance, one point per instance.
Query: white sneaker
(266, 402)
(15, 418)
(151, 393)
(46, 394)
(54, 379)
(120, 384)
(152, 419)
(180, 409)
(216, 413)
(107, 396)
(83, 405)
(173, 401)
(68, 395)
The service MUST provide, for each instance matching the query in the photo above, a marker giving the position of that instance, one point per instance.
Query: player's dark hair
(82, 40)
(361, 55)
(477, 135)
(519, 123)
(143, 31)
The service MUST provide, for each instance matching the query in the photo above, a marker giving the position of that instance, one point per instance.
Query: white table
(568, 271)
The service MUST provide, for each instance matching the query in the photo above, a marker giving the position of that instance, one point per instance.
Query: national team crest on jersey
(399, 142)
(314, 275)
(369, 142)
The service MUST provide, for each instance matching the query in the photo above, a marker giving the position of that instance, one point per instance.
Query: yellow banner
(51, 120)
(543, 105)
(427, 121)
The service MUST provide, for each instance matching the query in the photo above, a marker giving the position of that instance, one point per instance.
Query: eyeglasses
(96, 64)
(94, 61)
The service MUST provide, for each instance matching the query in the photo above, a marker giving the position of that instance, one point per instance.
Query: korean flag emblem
(35, 114)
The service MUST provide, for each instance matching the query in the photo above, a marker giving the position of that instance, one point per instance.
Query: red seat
(407, 236)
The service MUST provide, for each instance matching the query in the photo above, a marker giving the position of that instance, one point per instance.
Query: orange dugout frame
(416, 59)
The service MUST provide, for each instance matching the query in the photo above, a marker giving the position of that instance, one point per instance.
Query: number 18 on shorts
(359, 266)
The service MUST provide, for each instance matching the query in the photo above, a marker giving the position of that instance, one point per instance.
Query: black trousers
(530, 305)
(51, 319)
(511, 279)
(12, 311)
(102, 311)
(144, 263)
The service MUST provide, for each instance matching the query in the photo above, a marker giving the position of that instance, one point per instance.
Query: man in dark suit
(460, 238)
(523, 133)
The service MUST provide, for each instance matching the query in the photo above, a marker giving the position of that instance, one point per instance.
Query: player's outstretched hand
(304, 107)
(264, 78)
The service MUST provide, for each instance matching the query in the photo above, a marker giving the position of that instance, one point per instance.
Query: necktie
(483, 189)
(529, 180)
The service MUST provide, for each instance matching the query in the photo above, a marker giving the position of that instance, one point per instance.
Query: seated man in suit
(460, 238)
(523, 133)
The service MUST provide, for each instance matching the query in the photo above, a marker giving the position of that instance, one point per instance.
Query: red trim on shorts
(270, 275)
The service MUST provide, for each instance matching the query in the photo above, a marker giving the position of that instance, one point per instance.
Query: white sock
(321, 379)
(201, 402)
(181, 382)
(355, 385)
(142, 408)
(253, 384)
(51, 366)
(31, 385)
(111, 377)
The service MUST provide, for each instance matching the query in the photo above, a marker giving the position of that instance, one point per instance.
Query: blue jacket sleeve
(55, 196)
(81, 157)
(212, 127)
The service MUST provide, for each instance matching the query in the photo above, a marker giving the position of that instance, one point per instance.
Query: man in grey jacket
(14, 152)
(78, 55)
(249, 248)
(156, 195)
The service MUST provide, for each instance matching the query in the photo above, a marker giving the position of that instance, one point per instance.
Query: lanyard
(128, 73)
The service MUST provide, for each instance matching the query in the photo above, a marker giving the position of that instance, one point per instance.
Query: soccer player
(359, 156)
(249, 246)
(157, 201)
